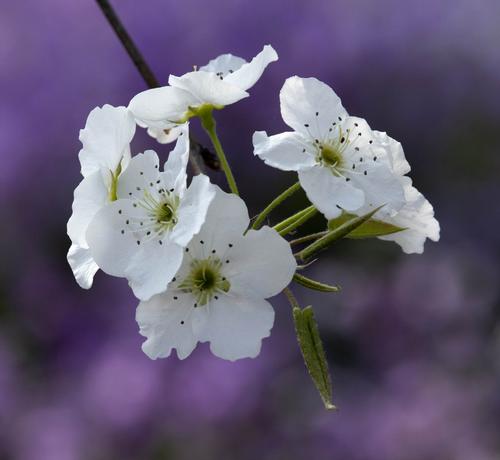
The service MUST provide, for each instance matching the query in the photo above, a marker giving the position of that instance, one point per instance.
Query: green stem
(289, 220)
(277, 201)
(305, 239)
(208, 123)
(291, 298)
(311, 212)
(334, 235)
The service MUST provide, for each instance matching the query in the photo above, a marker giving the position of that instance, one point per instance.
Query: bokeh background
(413, 341)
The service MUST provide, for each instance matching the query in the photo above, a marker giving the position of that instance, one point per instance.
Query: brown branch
(128, 44)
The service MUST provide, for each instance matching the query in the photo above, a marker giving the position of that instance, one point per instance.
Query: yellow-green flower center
(205, 280)
(330, 155)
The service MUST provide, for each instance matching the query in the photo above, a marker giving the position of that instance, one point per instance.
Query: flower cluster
(200, 267)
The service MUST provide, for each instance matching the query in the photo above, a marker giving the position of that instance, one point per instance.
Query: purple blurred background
(413, 341)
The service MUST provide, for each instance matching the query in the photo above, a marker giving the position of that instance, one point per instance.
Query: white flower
(223, 81)
(417, 214)
(141, 236)
(340, 162)
(218, 295)
(105, 153)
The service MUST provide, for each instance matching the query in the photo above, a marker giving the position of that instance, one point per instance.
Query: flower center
(165, 214)
(162, 210)
(205, 280)
(330, 155)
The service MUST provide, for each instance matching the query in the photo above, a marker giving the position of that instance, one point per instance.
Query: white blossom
(341, 163)
(218, 294)
(223, 81)
(105, 153)
(141, 236)
(416, 216)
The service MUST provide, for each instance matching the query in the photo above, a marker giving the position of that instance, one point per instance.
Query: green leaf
(335, 235)
(313, 284)
(313, 353)
(370, 229)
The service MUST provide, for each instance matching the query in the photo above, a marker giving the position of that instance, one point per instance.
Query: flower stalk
(276, 202)
(334, 235)
(209, 125)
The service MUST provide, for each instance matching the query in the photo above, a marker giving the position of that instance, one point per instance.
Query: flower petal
(90, 196)
(152, 267)
(175, 175)
(380, 185)
(237, 325)
(141, 172)
(395, 151)
(417, 216)
(249, 73)
(112, 249)
(227, 218)
(328, 192)
(208, 88)
(310, 107)
(192, 211)
(106, 139)
(169, 323)
(83, 265)
(165, 134)
(165, 104)
(261, 264)
(120, 247)
(285, 151)
(225, 64)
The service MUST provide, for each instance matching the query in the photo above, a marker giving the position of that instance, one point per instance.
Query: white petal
(192, 211)
(237, 325)
(166, 134)
(121, 247)
(141, 172)
(106, 138)
(380, 185)
(111, 249)
(83, 265)
(175, 174)
(394, 148)
(310, 106)
(328, 192)
(285, 151)
(165, 104)
(168, 324)
(225, 64)
(208, 88)
(227, 219)
(152, 267)
(417, 216)
(261, 264)
(90, 196)
(248, 74)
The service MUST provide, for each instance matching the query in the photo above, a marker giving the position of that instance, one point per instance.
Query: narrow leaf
(313, 353)
(369, 229)
(313, 284)
(334, 235)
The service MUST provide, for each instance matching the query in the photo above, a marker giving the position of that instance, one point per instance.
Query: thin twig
(197, 150)
(128, 44)
(305, 239)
